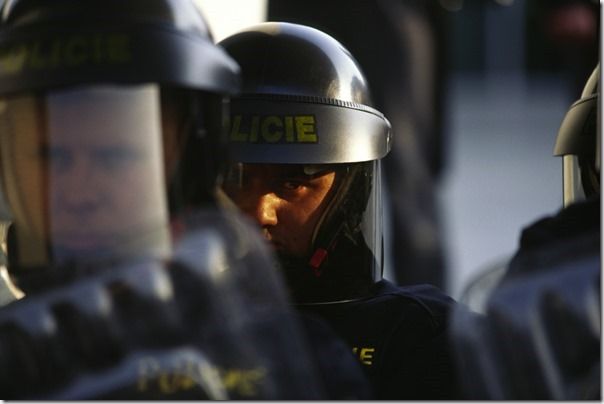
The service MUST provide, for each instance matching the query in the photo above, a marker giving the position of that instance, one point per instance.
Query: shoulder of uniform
(428, 299)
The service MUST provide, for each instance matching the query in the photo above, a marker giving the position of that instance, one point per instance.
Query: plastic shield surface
(84, 174)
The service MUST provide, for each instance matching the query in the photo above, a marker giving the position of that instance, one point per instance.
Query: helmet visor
(84, 173)
(323, 220)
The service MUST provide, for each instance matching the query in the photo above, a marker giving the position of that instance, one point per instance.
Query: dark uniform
(400, 337)
(571, 233)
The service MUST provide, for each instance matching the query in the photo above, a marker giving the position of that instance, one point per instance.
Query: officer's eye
(292, 185)
(115, 157)
(58, 157)
(289, 188)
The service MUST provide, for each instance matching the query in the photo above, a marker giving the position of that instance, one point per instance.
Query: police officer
(537, 333)
(306, 148)
(96, 116)
(111, 121)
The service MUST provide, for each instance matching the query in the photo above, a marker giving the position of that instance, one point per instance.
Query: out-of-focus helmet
(104, 105)
(579, 143)
(305, 101)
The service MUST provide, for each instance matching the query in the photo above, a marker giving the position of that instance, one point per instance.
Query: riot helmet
(111, 122)
(304, 119)
(579, 143)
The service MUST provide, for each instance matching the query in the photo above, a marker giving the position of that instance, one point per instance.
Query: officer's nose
(259, 203)
(77, 186)
(265, 211)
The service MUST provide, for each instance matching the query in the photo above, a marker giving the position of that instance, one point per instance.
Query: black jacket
(399, 334)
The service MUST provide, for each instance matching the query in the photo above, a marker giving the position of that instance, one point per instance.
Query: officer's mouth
(275, 244)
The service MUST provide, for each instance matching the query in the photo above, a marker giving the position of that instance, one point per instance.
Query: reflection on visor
(84, 172)
(238, 172)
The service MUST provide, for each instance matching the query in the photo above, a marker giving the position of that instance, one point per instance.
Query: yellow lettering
(76, 51)
(12, 61)
(274, 129)
(66, 52)
(236, 135)
(118, 47)
(254, 129)
(244, 382)
(37, 59)
(166, 383)
(55, 54)
(231, 379)
(184, 375)
(305, 128)
(97, 48)
(289, 129)
(366, 356)
(270, 129)
(167, 379)
(147, 370)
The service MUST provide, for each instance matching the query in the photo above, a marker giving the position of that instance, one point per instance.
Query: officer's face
(285, 202)
(85, 170)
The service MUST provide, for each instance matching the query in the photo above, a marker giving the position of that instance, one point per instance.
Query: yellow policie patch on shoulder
(65, 52)
(274, 129)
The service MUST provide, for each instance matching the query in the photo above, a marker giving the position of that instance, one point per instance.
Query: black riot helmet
(579, 143)
(107, 109)
(305, 105)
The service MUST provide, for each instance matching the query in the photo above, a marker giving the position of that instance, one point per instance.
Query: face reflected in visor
(84, 173)
(286, 200)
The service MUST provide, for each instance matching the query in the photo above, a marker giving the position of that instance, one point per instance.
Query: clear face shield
(323, 220)
(571, 180)
(83, 171)
(579, 144)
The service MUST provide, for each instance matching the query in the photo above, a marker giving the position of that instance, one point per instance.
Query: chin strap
(341, 217)
(321, 254)
(317, 259)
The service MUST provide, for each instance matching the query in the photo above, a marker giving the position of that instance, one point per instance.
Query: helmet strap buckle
(317, 259)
